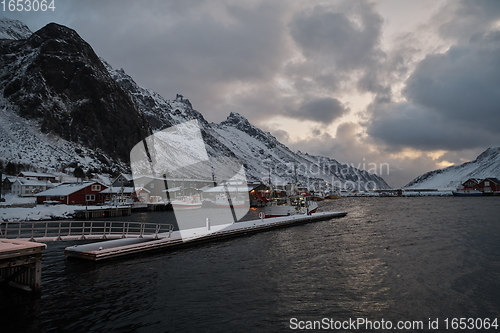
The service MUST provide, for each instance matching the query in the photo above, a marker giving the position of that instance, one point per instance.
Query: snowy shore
(38, 212)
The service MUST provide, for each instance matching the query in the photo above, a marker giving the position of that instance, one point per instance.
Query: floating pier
(121, 247)
(21, 264)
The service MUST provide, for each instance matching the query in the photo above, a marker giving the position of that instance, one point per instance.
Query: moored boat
(221, 201)
(287, 207)
(187, 202)
(334, 195)
(467, 193)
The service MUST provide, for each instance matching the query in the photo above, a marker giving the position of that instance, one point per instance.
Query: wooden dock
(159, 206)
(21, 264)
(93, 213)
(122, 247)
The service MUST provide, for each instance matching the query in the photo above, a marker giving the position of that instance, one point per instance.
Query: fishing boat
(187, 202)
(318, 196)
(290, 206)
(333, 195)
(467, 193)
(221, 201)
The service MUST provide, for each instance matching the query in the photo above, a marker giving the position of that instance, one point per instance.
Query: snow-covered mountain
(264, 156)
(60, 104)
(13, 29)
(487, 164)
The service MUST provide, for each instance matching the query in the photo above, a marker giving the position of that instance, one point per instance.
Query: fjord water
(396, 259)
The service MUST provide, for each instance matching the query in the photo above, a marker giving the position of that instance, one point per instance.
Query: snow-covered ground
(37, 213)
(11, 199)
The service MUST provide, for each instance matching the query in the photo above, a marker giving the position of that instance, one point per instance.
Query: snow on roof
(32, 182)
(118, 190)
(64, 189)
(36, 174)
(223, 189)
(103, 178)
(173, 189)
(127, 176)
(493, 179)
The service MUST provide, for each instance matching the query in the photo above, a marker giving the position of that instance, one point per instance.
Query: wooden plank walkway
(21, 264)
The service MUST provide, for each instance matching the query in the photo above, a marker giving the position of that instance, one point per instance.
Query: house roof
(32, 182)
(37, 174)
(493, 179)
(475, 180)
(118, 190)
(140, 188)
(127, 176)
(103, 178)
(231, 189)
(65, 189)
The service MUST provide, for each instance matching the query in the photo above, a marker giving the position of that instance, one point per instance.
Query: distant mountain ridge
(264, 155)
(487, 164)
(61, 104)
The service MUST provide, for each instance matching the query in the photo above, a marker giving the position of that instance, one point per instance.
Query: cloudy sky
(415, 84)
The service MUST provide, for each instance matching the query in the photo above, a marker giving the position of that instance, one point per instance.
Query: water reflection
(392, 258)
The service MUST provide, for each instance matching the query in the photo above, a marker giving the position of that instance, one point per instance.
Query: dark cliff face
(56, 77)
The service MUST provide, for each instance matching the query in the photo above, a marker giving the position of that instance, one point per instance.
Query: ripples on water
(390, 258)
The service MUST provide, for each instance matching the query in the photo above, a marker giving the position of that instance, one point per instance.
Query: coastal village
(100, 192)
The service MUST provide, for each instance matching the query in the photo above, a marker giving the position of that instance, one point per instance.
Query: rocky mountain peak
(57, 41)
(13, 29)
(236, 120)
(57, 78)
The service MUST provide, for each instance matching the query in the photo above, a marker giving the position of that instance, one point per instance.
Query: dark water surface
(396, 259)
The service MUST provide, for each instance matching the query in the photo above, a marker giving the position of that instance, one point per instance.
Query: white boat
(187, 202)
(221, 201)
(334, 195)
(289, 207)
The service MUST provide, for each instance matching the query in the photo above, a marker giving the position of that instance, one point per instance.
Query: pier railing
(72, 230)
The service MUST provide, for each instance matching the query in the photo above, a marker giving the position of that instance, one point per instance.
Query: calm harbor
(389, 258)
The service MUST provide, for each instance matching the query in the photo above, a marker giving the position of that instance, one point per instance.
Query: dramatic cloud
(459, 20)
(405, 125)
(323, 110)
(350, 79)
(453, 101)
(348, 39)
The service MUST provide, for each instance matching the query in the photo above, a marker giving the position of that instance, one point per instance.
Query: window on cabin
(96, 187)
(90, 197)
(486, 183)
